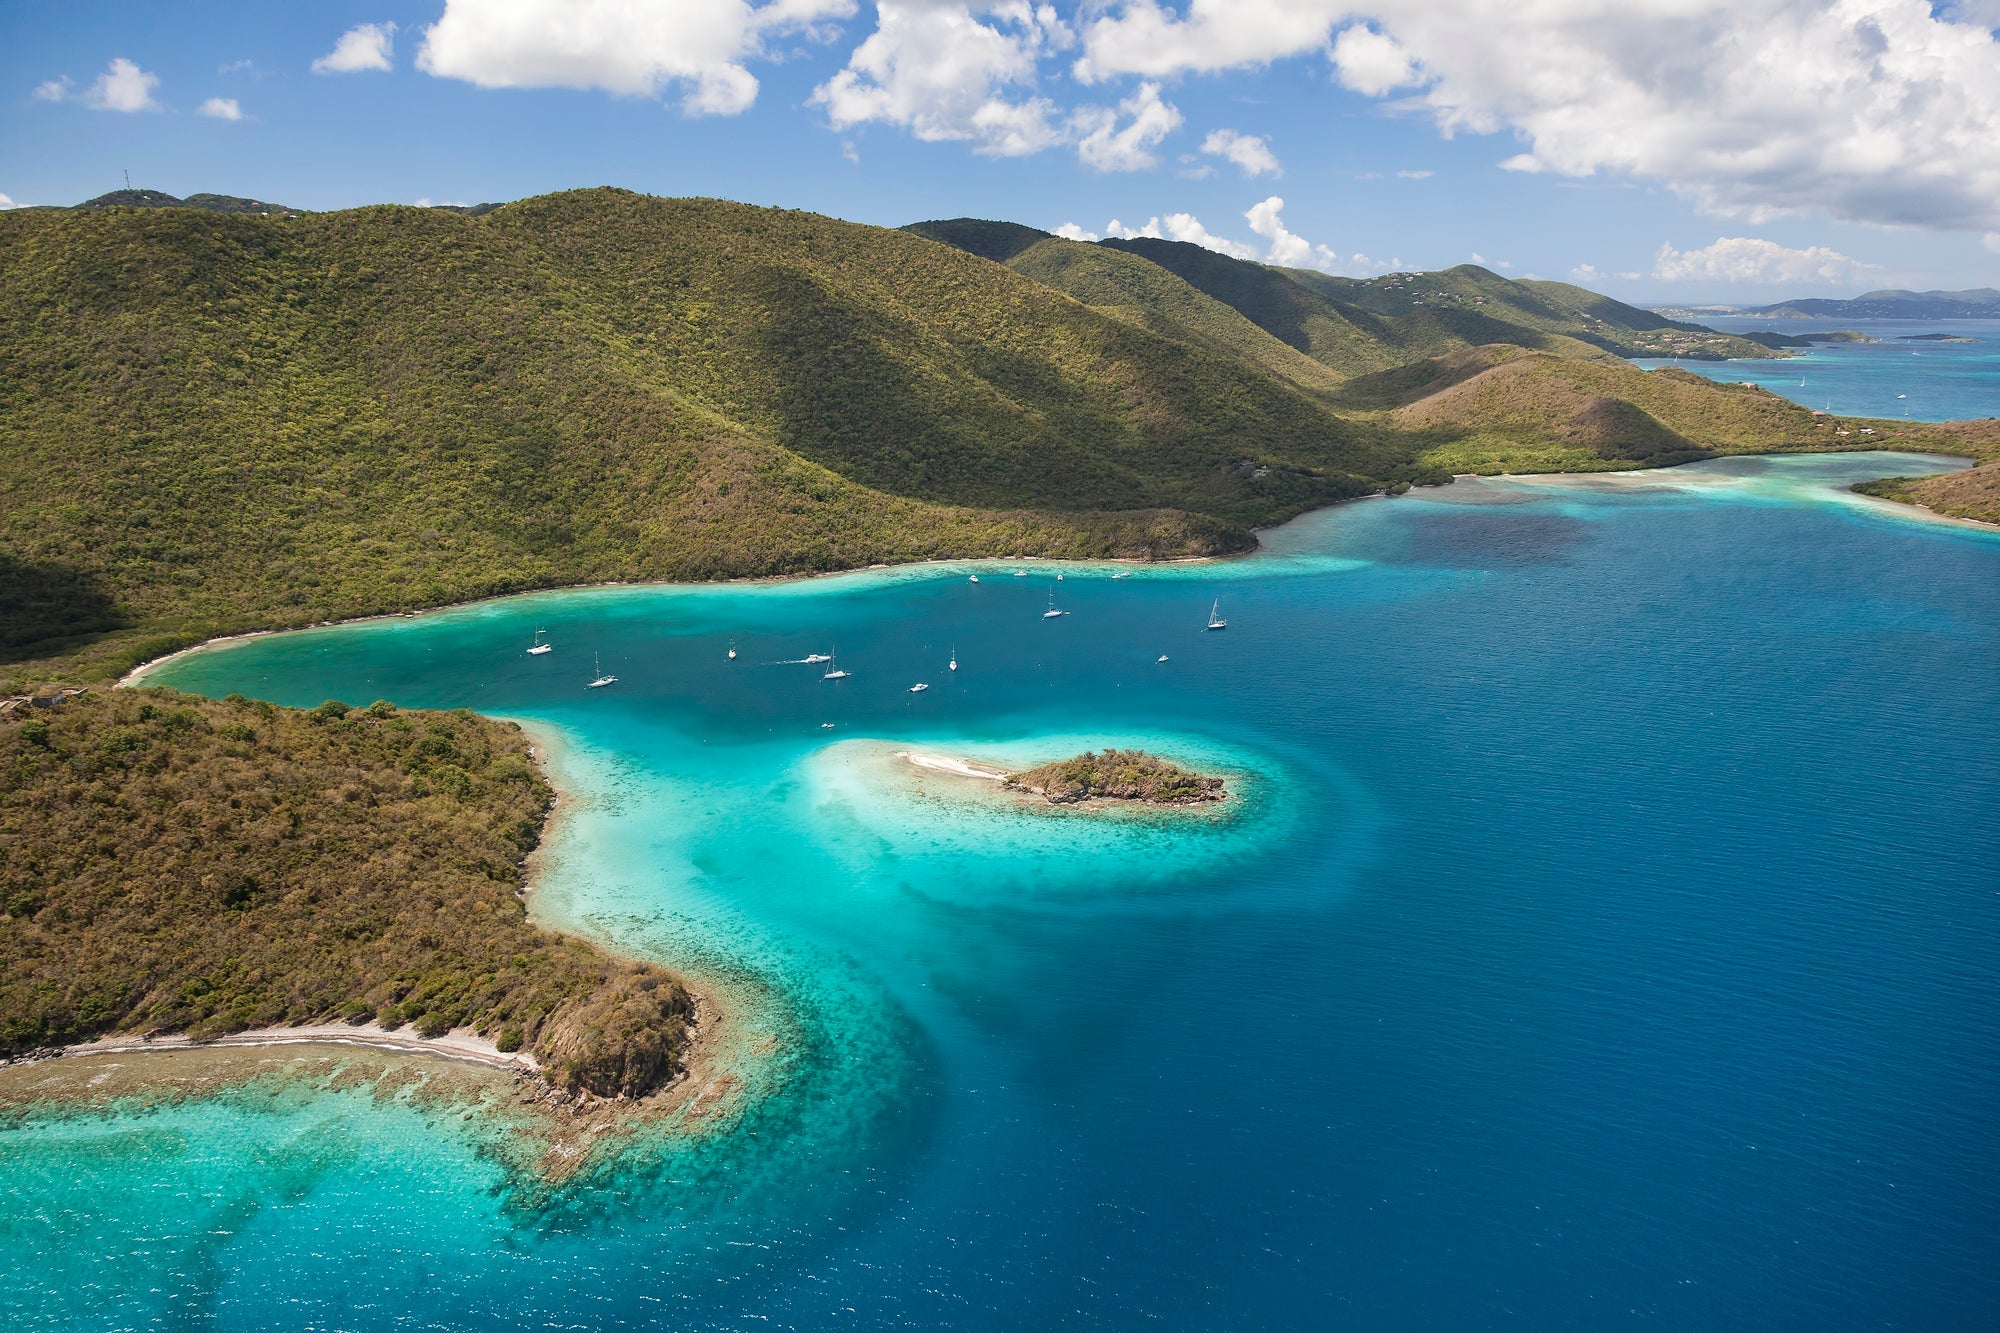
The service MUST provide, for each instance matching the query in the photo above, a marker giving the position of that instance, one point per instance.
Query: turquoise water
(1891, 377)
(1608, 932)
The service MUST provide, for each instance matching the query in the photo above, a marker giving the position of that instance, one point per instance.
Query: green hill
(222, 420)
(1130, 288)
(209, 203)
(1510, 409)
(215, 421)
(1358, 325)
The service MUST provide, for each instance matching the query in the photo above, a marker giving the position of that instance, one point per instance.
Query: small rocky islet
(1118, 775)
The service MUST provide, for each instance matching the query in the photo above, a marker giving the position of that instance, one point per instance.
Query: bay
(1899, 374)
(1607, 930)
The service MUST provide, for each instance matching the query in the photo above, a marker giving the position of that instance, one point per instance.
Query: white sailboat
(732, 651)
(1215, 620)
(834, 672)
(539, 647)
(954, 657)
(602, 679)
(1052, 613)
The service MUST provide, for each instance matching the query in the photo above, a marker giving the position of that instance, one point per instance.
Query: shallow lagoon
(1610, 928)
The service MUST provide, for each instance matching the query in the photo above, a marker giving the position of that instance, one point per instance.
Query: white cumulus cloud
(122, 87)
(1372, 62)
(365, 46)
(1882, 111)
(1590, 275)
(1071, 232)
(222, 108)
(940, 72)
(634, 48)
(1108, 146)
(1174, 227)
(1751, 259)
(1119, 231)
(1252, 156)
(1287, 248)
(7, 203)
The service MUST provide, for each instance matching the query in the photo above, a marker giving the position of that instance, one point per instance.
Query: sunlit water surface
(1608, 930)
(1904, 372)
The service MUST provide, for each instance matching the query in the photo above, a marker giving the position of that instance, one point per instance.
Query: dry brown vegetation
(172, 864)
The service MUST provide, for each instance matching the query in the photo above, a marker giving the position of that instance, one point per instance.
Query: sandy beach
(944, 763)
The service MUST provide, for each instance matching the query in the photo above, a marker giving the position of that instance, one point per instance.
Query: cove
(1608, 928)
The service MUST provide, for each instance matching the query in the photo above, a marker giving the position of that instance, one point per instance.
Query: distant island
(1778, 341)
(1889, 303)
(1117, 775)
(1934, 338)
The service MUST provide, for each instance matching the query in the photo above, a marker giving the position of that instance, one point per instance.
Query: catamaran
(1052, 613)
(1215, 620)
(602, 679)
(835, 673)
(539, 647)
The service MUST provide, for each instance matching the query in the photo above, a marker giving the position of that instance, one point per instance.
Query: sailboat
(1052, 613)
(1215, 620)
(539, 647)
(954, 657)
(602, 679)
(732, 652)
(834, 672)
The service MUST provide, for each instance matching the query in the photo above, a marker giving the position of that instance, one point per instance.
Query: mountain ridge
(220, 421)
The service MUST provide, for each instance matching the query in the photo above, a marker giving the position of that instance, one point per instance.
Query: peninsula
(176, 867)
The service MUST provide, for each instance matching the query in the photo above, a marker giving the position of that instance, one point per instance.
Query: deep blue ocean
(1902, 373)
(1608, 933)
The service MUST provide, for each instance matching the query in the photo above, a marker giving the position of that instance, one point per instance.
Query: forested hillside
(178, 865)
(220, 420)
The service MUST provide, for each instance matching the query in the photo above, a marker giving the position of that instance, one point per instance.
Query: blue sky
(1382, 129)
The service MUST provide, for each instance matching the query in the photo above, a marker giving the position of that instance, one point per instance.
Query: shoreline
(459, 1044)
(136, 676)
(702, 1093)
(1908, 511)
(927, 762)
